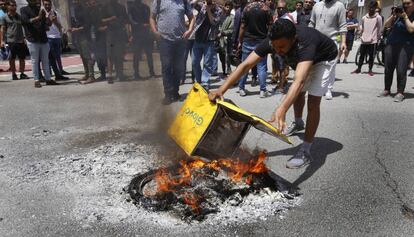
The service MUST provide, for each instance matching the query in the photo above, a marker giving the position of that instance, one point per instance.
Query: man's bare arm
(301, 75)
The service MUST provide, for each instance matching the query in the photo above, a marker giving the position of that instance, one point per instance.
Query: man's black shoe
(23, 76)
(63, 72)
(254, 81)
(14, 77)
(176, 98)
(51, 83)
(62, 78)
(167, 100)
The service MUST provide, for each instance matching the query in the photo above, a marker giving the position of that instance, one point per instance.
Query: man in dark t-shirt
(117, 37)
(312, 55)
(81, 35)
(98, 33)
(12, 32)
(35, 25)
(255, 21)
(142, 40)
(304, 16)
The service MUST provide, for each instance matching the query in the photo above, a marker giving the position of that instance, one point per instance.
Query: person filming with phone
(399, 49)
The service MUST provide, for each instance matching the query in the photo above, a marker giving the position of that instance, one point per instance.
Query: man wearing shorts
(13, 29)
(312, 55)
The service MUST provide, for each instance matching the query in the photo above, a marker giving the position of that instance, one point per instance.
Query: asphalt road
(361, 177)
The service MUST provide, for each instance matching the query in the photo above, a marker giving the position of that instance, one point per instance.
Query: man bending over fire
(312, 55)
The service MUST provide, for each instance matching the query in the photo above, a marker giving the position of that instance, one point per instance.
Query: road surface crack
(391, 183)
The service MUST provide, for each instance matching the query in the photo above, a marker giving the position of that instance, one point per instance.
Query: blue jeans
(172, 54)
(55, 55)
(206, 50)
(248, 47)
(39, 51)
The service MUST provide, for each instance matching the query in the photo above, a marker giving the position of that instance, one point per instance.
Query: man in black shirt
(142, 40)
(304, 16)
(312, 55)
(81, 36)
(35, 25)
(12, 33)
(98, 32)
(117, 37)
(256, 18)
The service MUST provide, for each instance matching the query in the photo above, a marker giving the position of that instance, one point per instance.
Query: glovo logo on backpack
(197, 118)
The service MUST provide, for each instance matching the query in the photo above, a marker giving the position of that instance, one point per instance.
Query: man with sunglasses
(313, 56)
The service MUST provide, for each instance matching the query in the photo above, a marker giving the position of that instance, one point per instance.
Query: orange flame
(236, 171)
(192, 200)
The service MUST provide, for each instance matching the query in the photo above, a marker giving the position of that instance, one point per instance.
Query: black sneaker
(294, 128)
(356, 71)
(254, 81)
(176, 98)
(411, 74)
(14, 77)
(167, 100)
(23, 76)
(62, 78)
(51, 83)
(63, 72)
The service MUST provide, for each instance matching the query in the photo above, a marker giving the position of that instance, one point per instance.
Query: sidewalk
(68, 61)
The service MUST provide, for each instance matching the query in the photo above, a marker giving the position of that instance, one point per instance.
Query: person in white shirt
(54, 35)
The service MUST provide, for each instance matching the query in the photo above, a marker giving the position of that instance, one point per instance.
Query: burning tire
(198, 188)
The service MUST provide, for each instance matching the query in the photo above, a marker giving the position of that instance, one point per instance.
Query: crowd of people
(100, 32)
(230, 31)
(208, 32)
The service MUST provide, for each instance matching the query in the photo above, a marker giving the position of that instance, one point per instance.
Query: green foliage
(291, 5)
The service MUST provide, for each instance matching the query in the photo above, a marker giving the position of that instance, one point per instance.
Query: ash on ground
(98, 179)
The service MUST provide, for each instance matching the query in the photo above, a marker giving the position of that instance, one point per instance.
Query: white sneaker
(242, 92)
(264, 94)
(328, 95)
(300, 159)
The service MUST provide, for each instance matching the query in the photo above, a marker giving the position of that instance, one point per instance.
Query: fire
(192, 200)
(236, 170)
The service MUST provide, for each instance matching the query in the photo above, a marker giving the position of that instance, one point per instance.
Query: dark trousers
(84, 49)
(116, 51)
(367, 49)
(172, 54)
(188, 52)
(147, 48)
(397, 57)
(100, 53)
(55, 54)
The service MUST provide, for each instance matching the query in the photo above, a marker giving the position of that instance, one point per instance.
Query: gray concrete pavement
(356, 186)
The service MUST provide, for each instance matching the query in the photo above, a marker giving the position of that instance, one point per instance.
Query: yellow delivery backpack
(214, 130)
